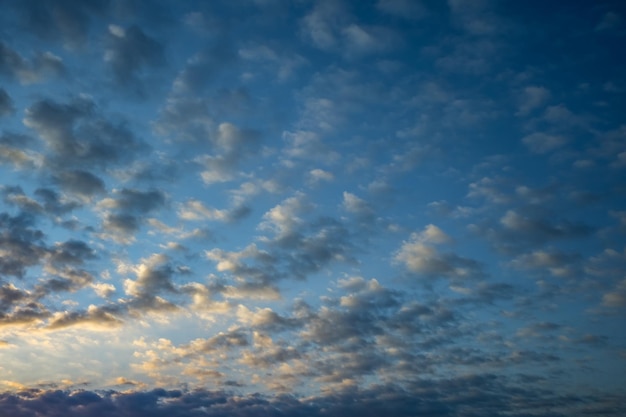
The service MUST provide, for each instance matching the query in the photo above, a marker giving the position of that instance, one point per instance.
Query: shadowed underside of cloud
(484, 395)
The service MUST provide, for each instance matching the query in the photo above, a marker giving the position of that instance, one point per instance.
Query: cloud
(94, 318)
(81, 183)
(533, 226)
(266, 319)
(308, 145)
(255, 233)
(6, 104)
(485, 395)
(134, 201)
(420, 255)
(203, 67)
(558, 263)
(103, 290)
(154, 276)
(357, 206)
(475, 17)
(67, 20)
(284, 65)
(125, 211)
(14, 152)
(194, 210)
(369, 39)
(611, 20)
(526, 228)
(319, 175)
(330, 27)
(233, 145)
(22, 245)
(53, 203)
(129, 51)
(531, 98)
(616, 297)
(10, 295)
(283, 218)
(321, 24)
(406, 9)
(42, 66)
(72, 252)
(77, 136)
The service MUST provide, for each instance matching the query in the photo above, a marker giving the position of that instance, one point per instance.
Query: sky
(312, 208)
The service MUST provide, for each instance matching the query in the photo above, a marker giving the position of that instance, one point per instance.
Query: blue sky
(312, 208)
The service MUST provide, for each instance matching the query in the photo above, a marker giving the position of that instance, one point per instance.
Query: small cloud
(531, 98)
(103, 290)
(6, 104)
(420, 255)
(610, 21)
(542, 142)
(617, 297)
(41, 67)
(319, 175)
(355, 205)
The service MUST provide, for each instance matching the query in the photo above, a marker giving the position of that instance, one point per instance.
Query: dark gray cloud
(15, 196)
(10, 295)
(71, 252)
(21, 245)
(94, 317)
(6, 104)
(530, 227)
(121, 224)
(65, 20)
(129, 51)
(125, 211)
(479, 395)
(81, 183)
(77, 135)
(295, 251)
(204, 67)
(135, 201)
(53, 203)
(42, 65)
(26, 314)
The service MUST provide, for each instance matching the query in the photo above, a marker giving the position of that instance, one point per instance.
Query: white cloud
(319, 175)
